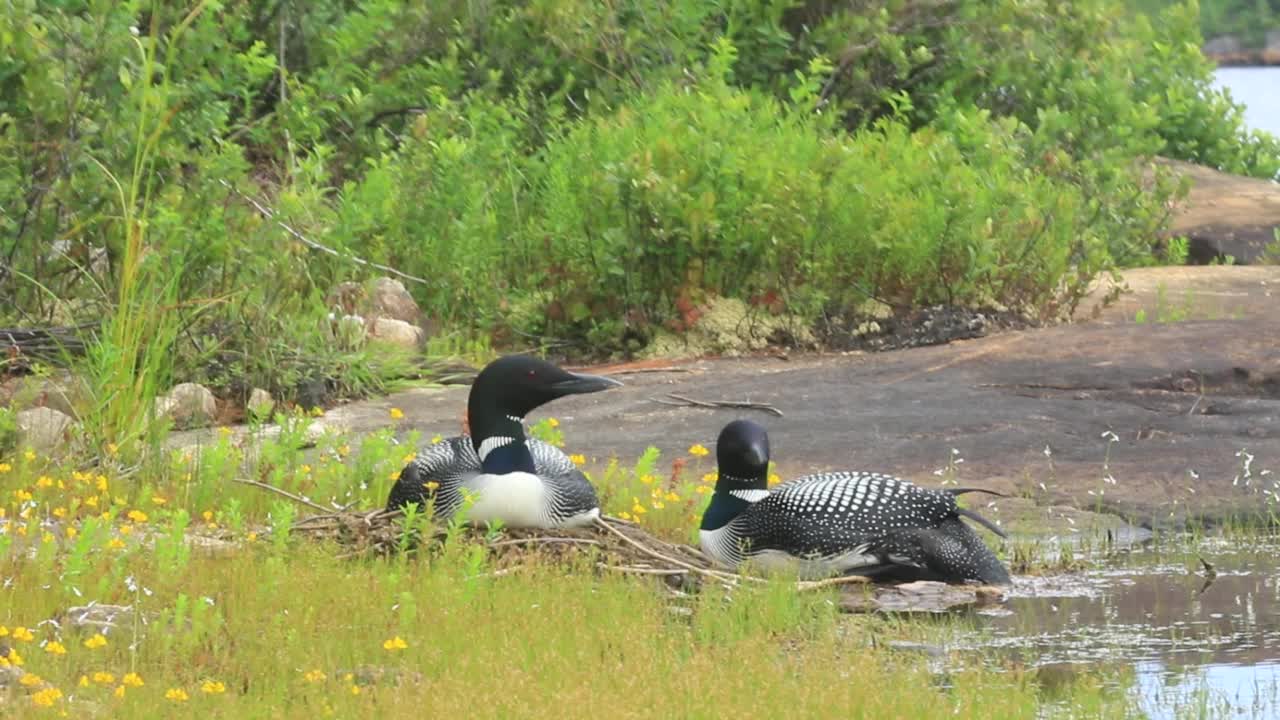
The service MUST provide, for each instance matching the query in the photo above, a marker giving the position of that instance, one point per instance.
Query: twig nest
(43, 429)
(189, 405)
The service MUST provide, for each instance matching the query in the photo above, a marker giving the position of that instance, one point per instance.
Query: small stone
(397, 332)
(389, 299)
(42, 429)
(190, 405)
(260, 404)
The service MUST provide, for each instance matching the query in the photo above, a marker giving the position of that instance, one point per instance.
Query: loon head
(504, 392)
(742, 464)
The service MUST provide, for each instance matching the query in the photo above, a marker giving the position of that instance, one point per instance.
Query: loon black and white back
(520, 481)
(839, 522)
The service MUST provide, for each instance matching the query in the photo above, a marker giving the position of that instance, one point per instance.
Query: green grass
(274, 625)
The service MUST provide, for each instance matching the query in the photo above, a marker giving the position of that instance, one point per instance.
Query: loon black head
(742, 464)
(504, 392)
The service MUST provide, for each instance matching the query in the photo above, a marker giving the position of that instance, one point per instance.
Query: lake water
(1258, 89)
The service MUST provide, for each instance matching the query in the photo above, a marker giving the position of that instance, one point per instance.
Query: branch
(267, 213)
(682, 401)
(286, 493)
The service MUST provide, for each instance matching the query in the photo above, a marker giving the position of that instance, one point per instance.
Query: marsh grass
(256, 621)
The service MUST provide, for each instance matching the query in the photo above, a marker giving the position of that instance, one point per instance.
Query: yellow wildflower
(29, 455)
(647, 479)
(137, 516)
(578, 459)
(47, 697)
(91, 501)
(97, 641)
(30, 680)
(14, 658)
(22, 634)
(625, 515)
(637, 509)
(118, 692)
(113, 449)
(397, 414)
(71, 532)
(431, 485)
(20, 494)
(316, 411)
(672, 497)
(102, 483)
(83, 681)
(709, 478)
(410, 458)
(224, 431)
(552, 422)
(212, 687)
(208, 515)
(5, 467)
(59, 512)
(658, 505)
(344, 451)
(314, 676)
(176, 695)
(126, 529)
(4, 631)
(44, 481)
(437, 438)
(698, 450)
(116, 544)
(132, 680)
(46, 538)
(158, 500)
(103, 678)
(306, 469)
(774, 479)
(251, 536)
(55, 648)
(355, 689)
(395, 643)
(702, 489)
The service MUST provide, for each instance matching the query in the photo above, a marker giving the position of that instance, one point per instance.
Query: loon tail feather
(957, 492)
(982, 521)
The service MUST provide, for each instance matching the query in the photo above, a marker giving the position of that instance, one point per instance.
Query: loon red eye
(532, 373)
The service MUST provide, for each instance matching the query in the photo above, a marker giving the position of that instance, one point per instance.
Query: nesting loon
(838, 523)
(521, 481)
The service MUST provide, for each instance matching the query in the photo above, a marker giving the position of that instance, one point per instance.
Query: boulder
(188, 405)
(389, 299)
(397, 332)
(1225, 215)
(62, 393)
(43, 429)
(260, 404)
(346, 297)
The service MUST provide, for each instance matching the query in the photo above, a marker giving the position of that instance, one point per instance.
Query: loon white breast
(837, 523)
(506, 476)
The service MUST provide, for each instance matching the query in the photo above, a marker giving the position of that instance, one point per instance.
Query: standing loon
(520, 481)
(838, 523)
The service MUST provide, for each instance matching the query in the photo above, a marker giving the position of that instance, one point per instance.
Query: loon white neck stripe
(490, 444)
(751, 496)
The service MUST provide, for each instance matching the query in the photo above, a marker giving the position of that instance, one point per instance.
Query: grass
(262, 624)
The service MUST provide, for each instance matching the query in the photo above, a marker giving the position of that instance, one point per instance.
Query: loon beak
(579, 383)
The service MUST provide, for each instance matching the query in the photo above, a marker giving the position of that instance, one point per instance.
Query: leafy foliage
(589, 170)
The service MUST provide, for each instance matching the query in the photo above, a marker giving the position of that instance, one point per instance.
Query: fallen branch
(683, 401)
(631, 570)
(727, 578)
(270, 215)
(286, 493)
(807, 585)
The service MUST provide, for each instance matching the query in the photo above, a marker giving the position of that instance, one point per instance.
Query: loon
(522, 482)
(838, 523)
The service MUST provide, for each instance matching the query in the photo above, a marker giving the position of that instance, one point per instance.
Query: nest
(616, 546)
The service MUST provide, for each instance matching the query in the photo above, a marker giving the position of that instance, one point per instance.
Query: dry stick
(640, 570)
(719, 576)
(267, 213)
(690, 402)
(286, 493)
(807, 585)
(544, 540)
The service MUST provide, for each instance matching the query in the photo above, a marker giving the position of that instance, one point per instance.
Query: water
(1149, 618)
(1258, 89)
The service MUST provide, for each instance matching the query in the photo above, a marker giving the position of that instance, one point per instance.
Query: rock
(43, 429)
(397, 332)
(62, 393)
(188, 405)
(1222, 45)
(260, 404)
(1225, 215)
(346, 297)
(389, 299)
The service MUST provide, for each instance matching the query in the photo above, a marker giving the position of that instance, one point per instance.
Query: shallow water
(1148, 616)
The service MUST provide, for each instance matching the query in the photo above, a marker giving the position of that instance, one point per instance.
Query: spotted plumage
(839, 522)
(507, 477)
